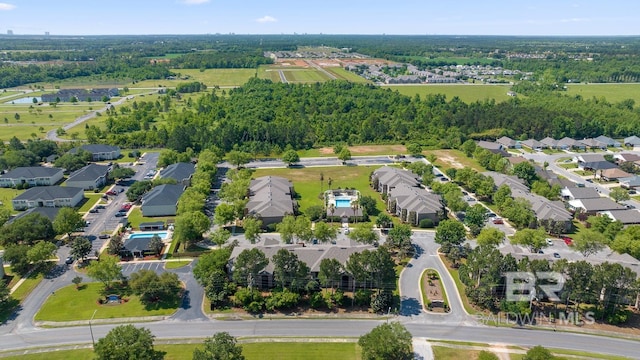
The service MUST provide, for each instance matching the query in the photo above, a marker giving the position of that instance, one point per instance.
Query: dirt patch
(292, 62)
(369, 150)
(433, 290)
(448, 159)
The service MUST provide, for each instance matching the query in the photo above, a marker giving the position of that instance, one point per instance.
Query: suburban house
(608, 141)
(534, 144)
(594, 144)
(550, 143)
(576, 193)
(626, 157)
(48, 196)
(546, 209)
(386, 178)
(310, 255)
(630, 182)
(626, 217)
(567, 143)
(613, 174)
(270, 199)
(99, 152)
(181, 172)
(162, 200)
(493, 147)
(508, 143)
(587, 158)
(31, 175)
(137, 247)
(594, 206)
(413, 204)
(90, 177)
(632, 141)
(513, 182)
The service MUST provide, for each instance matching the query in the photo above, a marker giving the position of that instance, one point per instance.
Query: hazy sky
(444, 17)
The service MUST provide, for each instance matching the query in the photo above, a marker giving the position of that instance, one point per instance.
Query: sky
(410, 17)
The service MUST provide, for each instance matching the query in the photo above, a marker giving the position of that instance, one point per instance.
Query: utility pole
(93, 341)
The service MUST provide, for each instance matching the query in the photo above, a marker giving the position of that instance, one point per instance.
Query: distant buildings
(66, 95)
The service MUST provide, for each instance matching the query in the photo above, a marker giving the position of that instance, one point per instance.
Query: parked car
(94, 210)
(549, 242)
(556, 255)
(101, 207)
(498, 221)
(632, 192)
(492, 215)
(111, 192)
(104, 236)
(567, 240)
(69, 260)
(120, 214)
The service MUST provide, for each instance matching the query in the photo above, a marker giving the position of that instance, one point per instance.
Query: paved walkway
(421, 349)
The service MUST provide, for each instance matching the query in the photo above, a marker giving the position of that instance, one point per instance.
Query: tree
(487, 355)
(106, 270)
(287, 229)
(533, 239)
(290, 157)
(225, 213)
(589, 242)
(40, 253)
(330, 272)
(127, 342)
(468, 147)
(344, 155)
(221, 346)
(538, 353)
(324, 232)
(414, 149)
(399, 238)
(115, 245)
(27, 230)
(368, 204)
(628, 241)
(287, 269)
(525, 171)
(247, 266)
(475, 218)
(450, 233)
(363, 233)
(156, 245)
(121, 173)
(80, 248)
(77, 281)
(152, 287)
(619, 194)
(490, 236)
(252, 228)
(190, 226)
(220, 236)
(238, 158)
(303, 229)
(384, 221)
(16, 255)
(5, 215)
(67, 221)
(387, 341)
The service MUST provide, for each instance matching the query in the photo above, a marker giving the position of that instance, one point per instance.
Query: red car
(111, 192)
(498, 221)
(567, 240)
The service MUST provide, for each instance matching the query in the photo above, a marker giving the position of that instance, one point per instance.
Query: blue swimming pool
(343, 203)
(147, 234)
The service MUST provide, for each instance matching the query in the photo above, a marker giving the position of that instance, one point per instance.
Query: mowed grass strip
(357, 150)
(6, 195)
(343, 74)
(467, 93)
(252, 351)
(306, 181)
(71, 304)
(614, 93)
(447, 353)
(305, 76)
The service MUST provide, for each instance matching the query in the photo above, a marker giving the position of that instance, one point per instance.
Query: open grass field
(614, 93)
(135, 218)
(310, 75)
(467, 93)
(210, 77)
(306, 181)
(447, 353)
(251, 351)
(70, 304)
(449, 158)
(6, 195)
(343, 74)
(358, 150)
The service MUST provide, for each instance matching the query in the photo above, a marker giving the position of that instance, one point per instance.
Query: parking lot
(131, 267)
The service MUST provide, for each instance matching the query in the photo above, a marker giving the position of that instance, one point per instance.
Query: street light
(93, 341)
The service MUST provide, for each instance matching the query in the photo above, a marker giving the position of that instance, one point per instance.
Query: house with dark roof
(137, 247)
(597, 165)
(312, 256)
(31, 176)
(632, 141)
(413, 204)
(271, 199)
(181, 172)
(630, 182)
(567, 143)
(513, 182)
(594, 206)
(608, 141)
(546, 210)
(576, 193)
(65, 95)
(90, 177)
(48, 212)
(386, 178)
(549, 142)
(508, 143)
(48, 196)
(162, 200)
(594, 144)
(534, 144)
(99, 152)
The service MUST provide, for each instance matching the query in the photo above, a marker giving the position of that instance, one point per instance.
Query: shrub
(426, 224)
(362, 297)
(282, 300)
(316, 301)
(246, 298)
(381, 301)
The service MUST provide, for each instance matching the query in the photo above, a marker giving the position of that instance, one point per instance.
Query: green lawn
(447, 353)
(87, 204)
(27, 286)
(69, 304)
(252, 351)
(176, 264)
(614, 93)
(459, 286)
(343, 74)
(310, 75)
(357, 150)
(6, 195)
(135, 218)
(466, 93)
(306, 181)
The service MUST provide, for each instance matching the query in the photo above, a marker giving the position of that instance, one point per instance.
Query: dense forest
(265, 117)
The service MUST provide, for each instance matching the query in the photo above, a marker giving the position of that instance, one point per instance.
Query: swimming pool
(147, 234)
(343, 203)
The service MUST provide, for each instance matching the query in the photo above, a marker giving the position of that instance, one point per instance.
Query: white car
(549, 242)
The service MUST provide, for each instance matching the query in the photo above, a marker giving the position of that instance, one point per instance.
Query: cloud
(194, 2)
(266, 19)
(574, 20)
(6, 7)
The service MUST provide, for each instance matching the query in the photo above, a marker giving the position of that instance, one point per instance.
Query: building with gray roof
(574, 193)
(413, 204)
(90, 177)
(632, 141)
(547, 210)
(181, 172)
(513, 182)
(31, 176)
(386, 178)
(608, 141)
(48, 196)
(162, 200)
(593, 206)
(270, 199)
(626, 217)
(99, 152)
